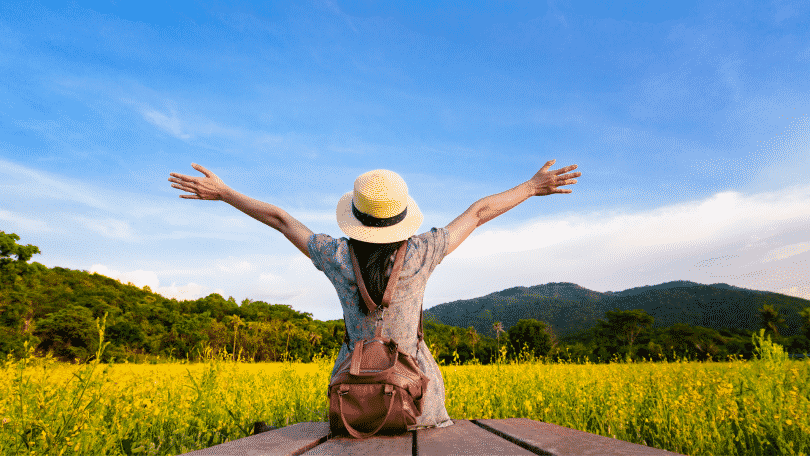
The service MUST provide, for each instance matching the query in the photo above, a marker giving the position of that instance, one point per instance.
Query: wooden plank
(464, 438)
(547, 438)
(293, 440)
(399, 445)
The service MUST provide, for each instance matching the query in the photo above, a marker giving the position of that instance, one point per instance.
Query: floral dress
(423, 253)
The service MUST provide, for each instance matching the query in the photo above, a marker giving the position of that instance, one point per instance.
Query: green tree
(236, 322)
(126, 332)
(805, 315)
(771, 319)
(473, 338)
(9, 248)
(68, 333)
(531, 333)
(624, 325)
(190, 334)
(498, 328)
(314, 339)
(453, 338)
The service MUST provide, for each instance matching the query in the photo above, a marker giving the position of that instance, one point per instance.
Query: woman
(378, 216)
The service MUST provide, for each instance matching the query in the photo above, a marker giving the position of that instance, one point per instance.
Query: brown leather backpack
(378, 388)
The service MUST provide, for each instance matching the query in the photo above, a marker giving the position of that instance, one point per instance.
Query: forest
(56, 311)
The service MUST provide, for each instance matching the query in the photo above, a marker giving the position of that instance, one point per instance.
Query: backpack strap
(419, 331)
(371, 306)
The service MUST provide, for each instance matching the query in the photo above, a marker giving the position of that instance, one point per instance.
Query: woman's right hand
(209, 187)
(545, 182)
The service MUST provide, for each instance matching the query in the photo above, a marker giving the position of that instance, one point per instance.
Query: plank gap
(520, 443)
(306, 448)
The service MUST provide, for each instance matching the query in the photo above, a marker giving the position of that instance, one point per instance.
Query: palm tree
(288, 327)
(473, 338)
(498, 328)
(771, 319)
(314, 338)
(805, 314)
(236, 321)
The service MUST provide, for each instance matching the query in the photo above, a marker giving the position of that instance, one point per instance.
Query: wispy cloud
(108, 227)
(234, 266)
(170, 124)
(716, 219)
(30, 183)
(23, 223)
(786, 251)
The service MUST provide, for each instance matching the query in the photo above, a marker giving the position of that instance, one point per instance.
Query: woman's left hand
(209, 187)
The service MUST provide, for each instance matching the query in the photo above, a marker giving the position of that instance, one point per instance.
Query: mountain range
(571, 309)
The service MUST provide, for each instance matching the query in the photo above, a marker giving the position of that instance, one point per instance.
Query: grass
(737, 407)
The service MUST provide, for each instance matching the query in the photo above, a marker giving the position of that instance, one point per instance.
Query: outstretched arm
(211, 187)
(544, 182)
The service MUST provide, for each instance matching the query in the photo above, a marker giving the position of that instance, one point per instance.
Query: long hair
(374, 260)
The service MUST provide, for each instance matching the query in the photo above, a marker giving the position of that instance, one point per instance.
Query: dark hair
(374, 260)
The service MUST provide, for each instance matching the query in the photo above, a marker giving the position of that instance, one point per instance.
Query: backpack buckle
(379, 321)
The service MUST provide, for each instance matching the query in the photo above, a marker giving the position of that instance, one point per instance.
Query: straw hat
(379, 209)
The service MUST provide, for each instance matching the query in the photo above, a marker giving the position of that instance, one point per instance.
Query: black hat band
(370, 220)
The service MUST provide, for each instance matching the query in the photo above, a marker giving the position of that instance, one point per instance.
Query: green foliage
(9, 247)
(766, 350)
(53, 309)
(532, 335)
(67, 333)
(571, 309)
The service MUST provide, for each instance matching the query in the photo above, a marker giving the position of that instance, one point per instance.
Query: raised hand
(209, 187)
(545, 182)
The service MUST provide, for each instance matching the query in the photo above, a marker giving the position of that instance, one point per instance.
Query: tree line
(55, 311)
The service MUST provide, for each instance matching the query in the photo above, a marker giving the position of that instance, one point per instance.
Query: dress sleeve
(322, 248)
(433, 245)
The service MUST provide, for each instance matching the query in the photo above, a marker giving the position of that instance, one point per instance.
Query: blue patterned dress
(423, 253)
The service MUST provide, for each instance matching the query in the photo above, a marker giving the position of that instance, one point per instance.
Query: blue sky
(689, 124)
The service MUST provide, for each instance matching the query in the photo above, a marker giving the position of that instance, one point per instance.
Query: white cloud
(138, 278)
(721, 217)
(276, 287)
(188, 292)
(141, 278)
(234, 266)
(786, 251)
(300, 264)
(723, 238)
(23, 223)
(110, 228)
(196, 127)
(271, 279)
(799, 292)
(169, 124)
(317, 216)
(28, 183)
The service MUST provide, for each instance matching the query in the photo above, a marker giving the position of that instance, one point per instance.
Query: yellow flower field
(736, 407)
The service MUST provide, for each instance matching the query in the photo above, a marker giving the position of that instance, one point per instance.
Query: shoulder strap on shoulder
(371, 306)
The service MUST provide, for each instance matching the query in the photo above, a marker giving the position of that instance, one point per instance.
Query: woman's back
(423, 253)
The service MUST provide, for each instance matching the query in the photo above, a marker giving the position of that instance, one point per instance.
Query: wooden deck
(513, 436)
